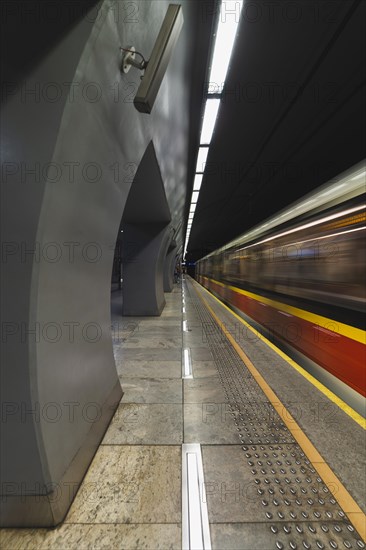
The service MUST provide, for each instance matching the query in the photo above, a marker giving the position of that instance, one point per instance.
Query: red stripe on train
(338, 354)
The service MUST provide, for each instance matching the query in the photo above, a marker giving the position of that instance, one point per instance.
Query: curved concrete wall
(87, 146)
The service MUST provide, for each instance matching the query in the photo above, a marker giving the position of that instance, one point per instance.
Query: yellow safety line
(345, 500)
(328, 393)
(330, 324)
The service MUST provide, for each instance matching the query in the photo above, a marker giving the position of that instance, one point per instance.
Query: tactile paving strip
(300, 509)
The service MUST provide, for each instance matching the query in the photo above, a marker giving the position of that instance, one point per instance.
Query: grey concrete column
(144, 251)
(169, 266)
(145, 237)
(59, 385)
(74, 148)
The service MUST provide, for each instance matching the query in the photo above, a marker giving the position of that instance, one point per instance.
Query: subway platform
(220, 441)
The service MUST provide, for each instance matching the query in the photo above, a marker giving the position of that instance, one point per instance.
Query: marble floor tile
(139, 424)
(243, 536)
(130, 484)
(194, 324)
(151, 390)
(204, 369)
(160, 341)
(201, 354)
(170, 312)
(194, 341)
(149, 369)
(240, 536)
(204, 390)
(159, 328)
(237, 494)
(107, 536)
(169, 322)
(191, 314)
(190, 310)
(210, 424)
(232, 494)
(119, 322)
(147, 354)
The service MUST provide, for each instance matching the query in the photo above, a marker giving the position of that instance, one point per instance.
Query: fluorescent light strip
(194, 196)
(303, 204)
(209, 119)
(330, 191)
(187, 364)
(195, 526)
(359, 176)
(332, 235)
(230, 11)
(324, 236)
(194, 512)
(201, 159)
(197, 182)
(229, 19)
(310, 224)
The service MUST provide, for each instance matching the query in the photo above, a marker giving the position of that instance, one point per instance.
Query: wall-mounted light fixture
(128, 60)
(156, 67)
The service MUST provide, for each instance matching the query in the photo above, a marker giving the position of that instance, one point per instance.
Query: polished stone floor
(131, 496)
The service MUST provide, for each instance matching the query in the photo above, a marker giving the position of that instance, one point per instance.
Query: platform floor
(264, 486)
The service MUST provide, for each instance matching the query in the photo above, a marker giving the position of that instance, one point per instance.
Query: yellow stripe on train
(353, 333)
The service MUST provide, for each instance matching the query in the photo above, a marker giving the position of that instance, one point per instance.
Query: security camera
(156, 67)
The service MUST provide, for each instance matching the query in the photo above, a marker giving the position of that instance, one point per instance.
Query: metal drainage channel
(299, 507)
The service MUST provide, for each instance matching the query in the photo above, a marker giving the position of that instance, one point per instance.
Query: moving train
(300, 276)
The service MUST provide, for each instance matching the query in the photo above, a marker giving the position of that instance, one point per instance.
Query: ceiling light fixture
(227, 26)
(197, 182)
(209, 119)
(229, 19)
(201, 159)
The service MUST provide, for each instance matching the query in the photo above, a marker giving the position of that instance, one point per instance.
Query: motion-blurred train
(301, 277)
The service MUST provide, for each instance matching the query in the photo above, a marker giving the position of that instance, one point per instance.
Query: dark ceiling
(29, 28)
(292, 114)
